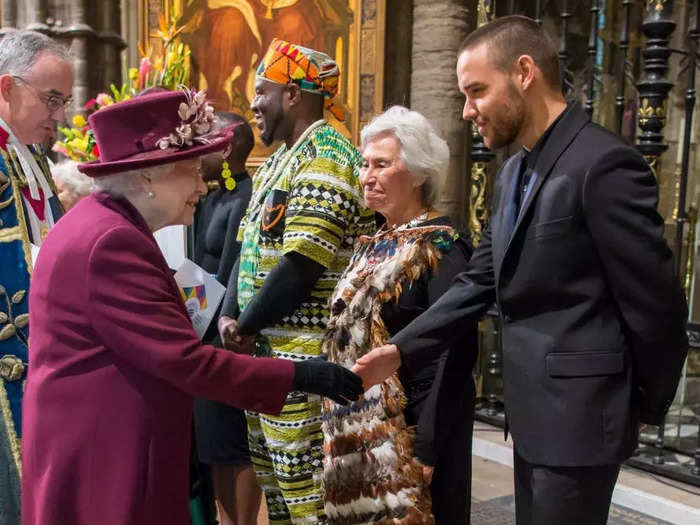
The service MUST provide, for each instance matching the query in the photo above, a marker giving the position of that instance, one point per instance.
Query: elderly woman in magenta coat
(115, 361)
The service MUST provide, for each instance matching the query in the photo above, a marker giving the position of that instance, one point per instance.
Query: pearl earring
(151, 194)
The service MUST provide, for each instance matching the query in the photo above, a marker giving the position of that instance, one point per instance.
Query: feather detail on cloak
(369, 472)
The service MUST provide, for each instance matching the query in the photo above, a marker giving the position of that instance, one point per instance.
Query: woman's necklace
(411, 223)
(375, 250)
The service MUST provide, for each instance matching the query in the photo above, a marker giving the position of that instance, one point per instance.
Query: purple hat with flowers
(154, 129)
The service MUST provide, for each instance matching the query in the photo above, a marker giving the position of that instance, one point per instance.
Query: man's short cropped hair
(510, 37)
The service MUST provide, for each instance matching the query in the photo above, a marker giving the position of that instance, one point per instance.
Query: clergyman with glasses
(36, 79)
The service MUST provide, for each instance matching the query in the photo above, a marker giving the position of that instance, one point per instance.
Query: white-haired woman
(408, 441)
(71, 185)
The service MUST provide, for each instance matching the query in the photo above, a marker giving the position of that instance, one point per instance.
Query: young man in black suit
(592, 315)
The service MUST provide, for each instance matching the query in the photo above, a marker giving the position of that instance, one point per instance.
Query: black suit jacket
(592, 315)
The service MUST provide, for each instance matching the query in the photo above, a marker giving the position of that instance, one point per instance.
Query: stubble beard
(510, 122)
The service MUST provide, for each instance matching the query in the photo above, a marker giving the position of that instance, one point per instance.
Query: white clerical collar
(32, 172)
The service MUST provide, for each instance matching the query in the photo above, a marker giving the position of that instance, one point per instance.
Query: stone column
(439, 26)
(37, 13)
(397, 54)
(130, 32)
(111, 43)
(8, 15)
(80, 35)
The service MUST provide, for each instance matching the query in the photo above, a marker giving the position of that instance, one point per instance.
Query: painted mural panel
(227, 39)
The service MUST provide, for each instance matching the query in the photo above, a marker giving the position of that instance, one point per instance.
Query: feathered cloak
(369, 472)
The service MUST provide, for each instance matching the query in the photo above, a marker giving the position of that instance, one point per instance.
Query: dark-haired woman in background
(220, 429)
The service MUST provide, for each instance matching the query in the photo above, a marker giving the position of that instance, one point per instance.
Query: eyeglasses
(52, 102)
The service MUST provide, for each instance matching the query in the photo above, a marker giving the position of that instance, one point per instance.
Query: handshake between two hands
(335, 381)
(328, 379)
(231, 339)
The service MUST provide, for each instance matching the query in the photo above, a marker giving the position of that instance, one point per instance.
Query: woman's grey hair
(19, 50)
(424, 153)
(130, 182)
(72, 179)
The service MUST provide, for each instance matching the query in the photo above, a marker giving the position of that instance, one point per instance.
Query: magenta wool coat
(114, 363)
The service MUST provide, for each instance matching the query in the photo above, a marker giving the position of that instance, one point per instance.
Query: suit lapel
(562, 135)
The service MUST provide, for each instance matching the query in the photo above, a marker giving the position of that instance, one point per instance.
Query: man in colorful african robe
(35, 82)
(297, 235)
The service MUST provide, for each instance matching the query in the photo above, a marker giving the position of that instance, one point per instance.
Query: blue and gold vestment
(16, 240)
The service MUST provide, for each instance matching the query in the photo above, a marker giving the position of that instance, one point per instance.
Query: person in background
(220, 212)
(304, 216)
(116, 361)
(36, 80)
(220, 430)
(71, 185)
(412, 434)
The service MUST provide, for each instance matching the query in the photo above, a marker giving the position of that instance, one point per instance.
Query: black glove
(318, 376)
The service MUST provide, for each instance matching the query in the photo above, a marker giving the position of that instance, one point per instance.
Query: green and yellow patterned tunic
(307, 200)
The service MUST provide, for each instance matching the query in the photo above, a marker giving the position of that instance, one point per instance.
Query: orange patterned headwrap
(312, 70)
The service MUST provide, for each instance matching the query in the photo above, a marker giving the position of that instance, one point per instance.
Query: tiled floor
(501, 511)
(492, 494)
(490, 513)
(647, 499)
(493, 503)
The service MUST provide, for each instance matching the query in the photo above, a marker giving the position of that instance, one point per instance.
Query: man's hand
(378, 365)
(231, 340)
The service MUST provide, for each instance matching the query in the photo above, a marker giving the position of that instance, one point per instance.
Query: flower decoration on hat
(197, 123)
